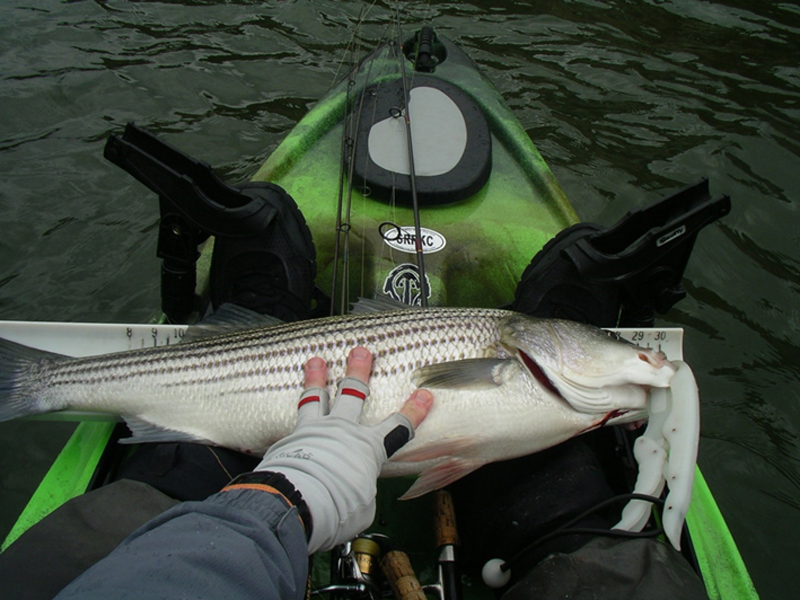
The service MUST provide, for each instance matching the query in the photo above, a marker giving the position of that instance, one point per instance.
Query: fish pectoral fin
(146, 432)
(470, 373)
(441, 475)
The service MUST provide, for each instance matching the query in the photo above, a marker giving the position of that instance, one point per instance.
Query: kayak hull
(484, 240)
(475, 249)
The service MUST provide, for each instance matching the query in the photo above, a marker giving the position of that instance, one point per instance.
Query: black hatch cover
(450, 136)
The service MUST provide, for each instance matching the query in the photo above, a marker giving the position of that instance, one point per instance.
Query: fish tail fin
(19, 385)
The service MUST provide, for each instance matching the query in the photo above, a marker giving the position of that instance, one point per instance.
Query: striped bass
(505, 384)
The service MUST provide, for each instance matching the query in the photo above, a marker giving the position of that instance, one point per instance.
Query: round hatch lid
(450, 137)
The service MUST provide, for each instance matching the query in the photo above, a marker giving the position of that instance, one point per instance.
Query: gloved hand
(331, 459)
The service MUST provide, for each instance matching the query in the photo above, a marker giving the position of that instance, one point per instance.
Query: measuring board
(88, 339)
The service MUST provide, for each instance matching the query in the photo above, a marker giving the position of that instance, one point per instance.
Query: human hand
(331, 459)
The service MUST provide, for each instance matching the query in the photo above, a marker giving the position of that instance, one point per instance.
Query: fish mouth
(539, 374)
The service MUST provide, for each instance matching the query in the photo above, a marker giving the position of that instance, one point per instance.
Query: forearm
(236, 544)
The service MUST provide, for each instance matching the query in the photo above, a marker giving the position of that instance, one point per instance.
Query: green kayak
(417, 183)
(496, 206)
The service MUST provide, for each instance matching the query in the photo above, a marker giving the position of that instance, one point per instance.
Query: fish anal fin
(470, 373)
(441, 475)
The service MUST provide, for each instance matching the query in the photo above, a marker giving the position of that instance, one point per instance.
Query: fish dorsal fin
(228, 318)
(470, 373)
(378, 304)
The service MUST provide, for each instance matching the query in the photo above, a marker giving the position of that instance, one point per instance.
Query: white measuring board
(668, 340)
(86, 339)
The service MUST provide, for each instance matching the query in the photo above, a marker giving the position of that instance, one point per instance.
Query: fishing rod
(354, 109)
(448, 586)
(420, 255)
(342, 238)
(356, 103)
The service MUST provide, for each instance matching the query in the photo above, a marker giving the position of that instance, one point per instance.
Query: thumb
(398, 429)
(417, 406)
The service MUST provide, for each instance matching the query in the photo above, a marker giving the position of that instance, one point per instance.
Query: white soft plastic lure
(667, 454)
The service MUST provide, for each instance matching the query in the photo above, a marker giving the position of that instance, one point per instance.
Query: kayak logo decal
(403, 284)
(404, 238)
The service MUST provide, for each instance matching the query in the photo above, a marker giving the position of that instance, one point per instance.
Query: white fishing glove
(334, 462)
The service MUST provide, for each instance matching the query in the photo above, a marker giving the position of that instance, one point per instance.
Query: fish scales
(301, 338)
(269, 360)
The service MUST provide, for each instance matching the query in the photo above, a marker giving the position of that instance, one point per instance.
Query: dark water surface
(625, 100)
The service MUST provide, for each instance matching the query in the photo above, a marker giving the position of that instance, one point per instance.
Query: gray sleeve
(236, 544)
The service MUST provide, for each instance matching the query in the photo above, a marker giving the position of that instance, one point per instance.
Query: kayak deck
(490, 236)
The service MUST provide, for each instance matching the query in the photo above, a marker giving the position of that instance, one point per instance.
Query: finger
(314, 398)
(350, 398)
(315, 373)
(398, 429)
(353, 389)
(359, 364)
(417, 406)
